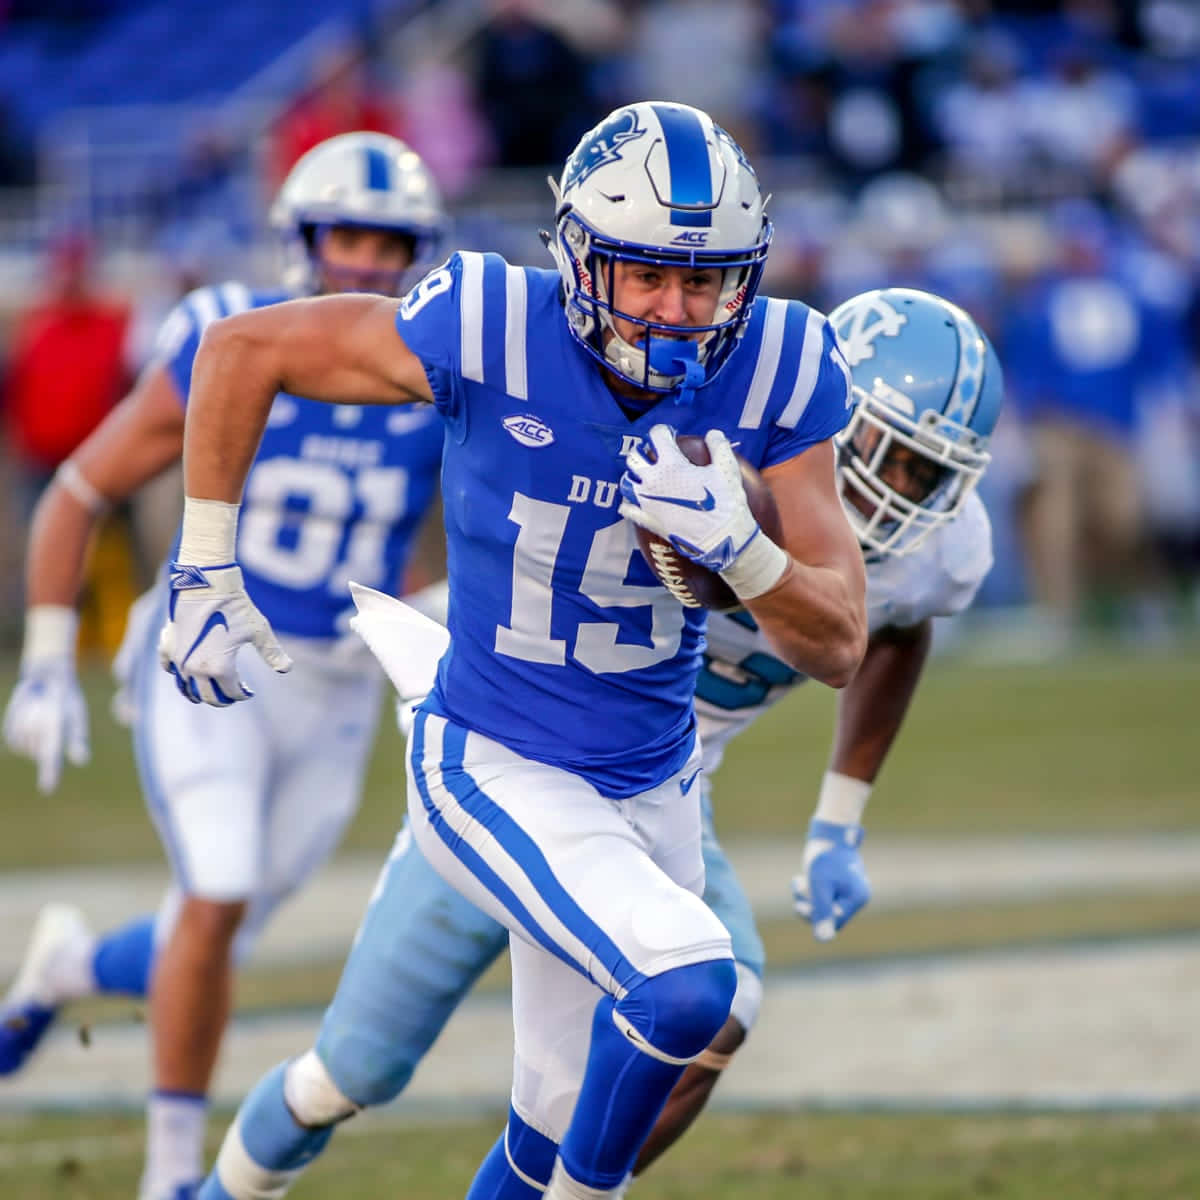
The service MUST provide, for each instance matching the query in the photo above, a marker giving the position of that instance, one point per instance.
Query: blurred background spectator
(344, 95)
(65, 369)
(1037, 162)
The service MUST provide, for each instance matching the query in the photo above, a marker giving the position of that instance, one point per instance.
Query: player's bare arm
(339, 349)
(873, 706)
(137, 441)
(816, 615)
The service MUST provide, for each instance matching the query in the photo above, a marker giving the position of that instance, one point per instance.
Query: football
(691, 584)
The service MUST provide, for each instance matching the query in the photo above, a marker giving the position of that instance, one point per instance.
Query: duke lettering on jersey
(557, 621)
(335, 493)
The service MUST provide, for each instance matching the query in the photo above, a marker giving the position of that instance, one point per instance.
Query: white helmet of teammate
(370, 180)
(658, 183)
(928, 389)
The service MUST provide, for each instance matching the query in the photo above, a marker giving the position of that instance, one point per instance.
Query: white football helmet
(927, 383)
(369, 180)
(658, 183)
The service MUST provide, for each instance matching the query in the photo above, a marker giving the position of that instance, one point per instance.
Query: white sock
(175, 1123)
(563, 1187)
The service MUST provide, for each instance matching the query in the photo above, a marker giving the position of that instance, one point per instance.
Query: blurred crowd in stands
(1038, 162)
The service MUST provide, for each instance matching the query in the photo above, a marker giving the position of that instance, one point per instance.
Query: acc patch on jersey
(528, 430)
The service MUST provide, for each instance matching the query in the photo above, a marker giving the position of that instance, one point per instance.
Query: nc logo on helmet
(601, 147)
(866, 321)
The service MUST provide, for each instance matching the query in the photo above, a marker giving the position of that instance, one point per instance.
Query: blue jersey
(565, 647)
(335, 492)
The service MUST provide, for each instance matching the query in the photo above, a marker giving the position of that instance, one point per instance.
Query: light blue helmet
(367, 179)
(925, 378)
(658, 183)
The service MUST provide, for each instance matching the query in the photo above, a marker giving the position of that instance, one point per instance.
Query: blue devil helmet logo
(602, 147)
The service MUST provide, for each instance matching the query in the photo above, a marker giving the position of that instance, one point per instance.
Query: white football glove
(47, 718)
(210, 617)
(701, 511)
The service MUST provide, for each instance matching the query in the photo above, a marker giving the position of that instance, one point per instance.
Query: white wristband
(71, 479)
(209, 534)
(843, 799)
(758, 568)
(50, 633)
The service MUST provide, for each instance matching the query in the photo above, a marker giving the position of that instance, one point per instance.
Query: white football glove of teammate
(701, 511)
(209, 618)
(46, 715)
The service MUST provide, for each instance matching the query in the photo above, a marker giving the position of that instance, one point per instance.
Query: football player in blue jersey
(248, 807)
(552, 769)
(929, 389)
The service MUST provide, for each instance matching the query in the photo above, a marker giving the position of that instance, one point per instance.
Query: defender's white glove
(701, 511)
(210, 617)
(46, 715)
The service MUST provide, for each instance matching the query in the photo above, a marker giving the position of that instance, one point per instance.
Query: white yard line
(905, 873)
(1083, 1027)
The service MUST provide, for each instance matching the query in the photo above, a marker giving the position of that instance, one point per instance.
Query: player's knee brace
(312, 1096)
(674, 1016)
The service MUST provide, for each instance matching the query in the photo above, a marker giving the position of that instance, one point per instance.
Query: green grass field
(786, 1156)
(1102, 744)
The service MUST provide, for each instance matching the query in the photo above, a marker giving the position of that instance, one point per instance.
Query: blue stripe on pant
(520, 849)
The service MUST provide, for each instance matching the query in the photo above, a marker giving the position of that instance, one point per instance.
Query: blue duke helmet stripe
(528, 888)
(687, 155)
(378, 169)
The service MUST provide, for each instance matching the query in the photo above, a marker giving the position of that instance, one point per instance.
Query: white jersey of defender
(742, 678)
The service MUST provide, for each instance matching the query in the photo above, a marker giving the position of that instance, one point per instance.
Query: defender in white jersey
(552, 769)
(247, 804)
(928, 387)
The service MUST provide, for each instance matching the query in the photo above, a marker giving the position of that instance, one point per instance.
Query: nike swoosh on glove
(701, 510)
(833, 885)
(209, 618)
(47, 718)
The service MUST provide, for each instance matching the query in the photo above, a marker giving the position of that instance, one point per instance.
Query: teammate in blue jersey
(247, 804)
(552, 769)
